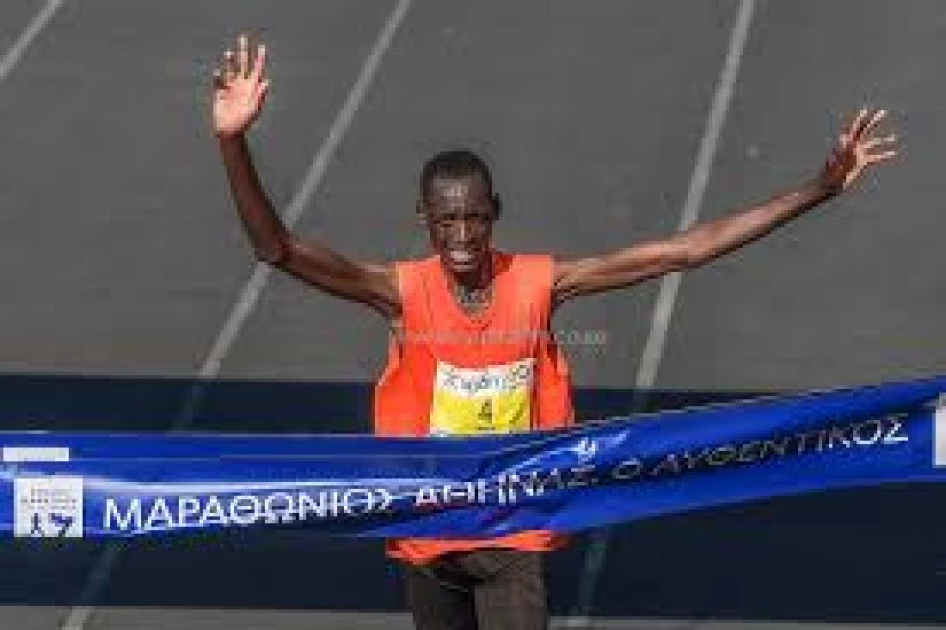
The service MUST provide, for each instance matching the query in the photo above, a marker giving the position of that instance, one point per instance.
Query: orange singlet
(450, 373)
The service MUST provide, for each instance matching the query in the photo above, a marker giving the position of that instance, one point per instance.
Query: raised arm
(240, 88)
(857, 148)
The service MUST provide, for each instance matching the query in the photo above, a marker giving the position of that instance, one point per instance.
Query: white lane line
(663, 309)
(98, 577)
(36, 25)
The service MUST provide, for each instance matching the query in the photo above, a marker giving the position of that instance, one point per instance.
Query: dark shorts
(486, 589)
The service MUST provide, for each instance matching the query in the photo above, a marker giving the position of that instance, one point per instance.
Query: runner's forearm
(269, 237)
(713, 239)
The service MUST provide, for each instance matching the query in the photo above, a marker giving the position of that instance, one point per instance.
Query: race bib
(470, 401)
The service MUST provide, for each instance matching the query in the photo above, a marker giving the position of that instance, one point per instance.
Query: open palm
(857, 149)
(240, 87)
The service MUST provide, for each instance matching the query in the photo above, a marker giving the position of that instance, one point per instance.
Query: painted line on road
(22, 43)
(99, 575)
(669, 288)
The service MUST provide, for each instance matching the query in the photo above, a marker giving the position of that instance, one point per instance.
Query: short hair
(454, 163)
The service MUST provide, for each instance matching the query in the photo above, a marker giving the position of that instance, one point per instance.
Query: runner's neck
(473, 299)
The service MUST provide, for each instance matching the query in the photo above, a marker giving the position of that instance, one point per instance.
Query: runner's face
(460, 214)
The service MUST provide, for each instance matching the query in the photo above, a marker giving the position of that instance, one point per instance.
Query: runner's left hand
(857, 149)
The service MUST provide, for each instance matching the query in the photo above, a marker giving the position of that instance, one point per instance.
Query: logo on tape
(585, 449)
(47, 507)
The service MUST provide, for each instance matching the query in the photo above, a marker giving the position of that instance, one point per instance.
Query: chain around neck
(472, 300)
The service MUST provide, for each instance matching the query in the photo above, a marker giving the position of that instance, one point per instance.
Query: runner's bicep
(372, 284)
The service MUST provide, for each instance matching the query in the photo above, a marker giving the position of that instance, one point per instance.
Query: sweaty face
(460, 214)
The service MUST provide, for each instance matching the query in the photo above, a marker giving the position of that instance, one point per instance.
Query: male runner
(470, 348)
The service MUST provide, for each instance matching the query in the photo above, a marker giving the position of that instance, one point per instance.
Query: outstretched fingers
(858, 131)
(229, 66)
(874, 143)
(869, 149)
(879, 149)
(871, 122)
(873, 157)
(243, 57)
(880, 157)
(858, 148)
(242, 64)
(259, 64)
(852, 129)
(863, 123)
(875, 149)
(259, 91)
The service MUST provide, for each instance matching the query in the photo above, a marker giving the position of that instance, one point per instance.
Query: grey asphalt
(122, 258)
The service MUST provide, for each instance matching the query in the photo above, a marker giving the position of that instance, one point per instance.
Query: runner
(471, 348)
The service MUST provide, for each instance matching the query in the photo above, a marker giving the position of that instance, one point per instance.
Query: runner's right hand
(240, 87)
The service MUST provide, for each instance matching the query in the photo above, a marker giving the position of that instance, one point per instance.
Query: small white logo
(586, 448)
(47, 507)
(34, 453)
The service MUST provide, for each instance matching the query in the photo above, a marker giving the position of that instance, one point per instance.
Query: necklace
(472, 300)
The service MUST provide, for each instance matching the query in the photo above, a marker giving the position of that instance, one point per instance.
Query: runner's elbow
(275, 253)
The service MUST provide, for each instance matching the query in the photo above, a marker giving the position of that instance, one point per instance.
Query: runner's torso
(451, 373)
